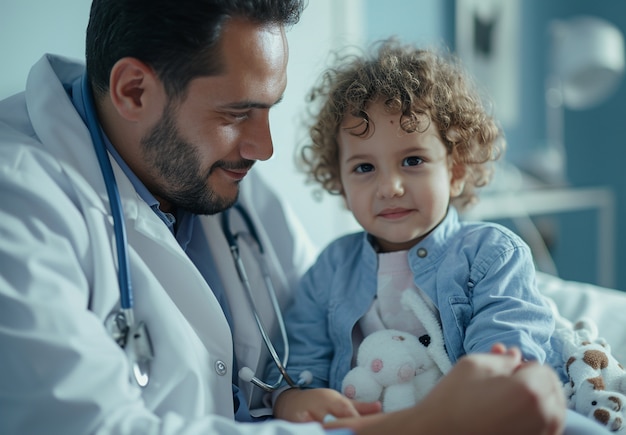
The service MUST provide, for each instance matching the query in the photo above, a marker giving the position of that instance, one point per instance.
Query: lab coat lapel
(248, 343)
(245, 332)
(168, 262)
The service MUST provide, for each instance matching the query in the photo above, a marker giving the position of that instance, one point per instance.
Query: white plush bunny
(396, 367)
(393, 367)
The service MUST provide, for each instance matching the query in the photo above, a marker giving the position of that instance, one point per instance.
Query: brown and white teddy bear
(596, 384)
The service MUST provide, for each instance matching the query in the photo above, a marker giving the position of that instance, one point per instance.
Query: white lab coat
(60, 372)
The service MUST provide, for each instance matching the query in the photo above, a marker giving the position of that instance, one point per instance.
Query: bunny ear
(412, 301)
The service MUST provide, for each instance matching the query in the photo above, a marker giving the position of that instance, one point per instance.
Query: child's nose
(390, 186)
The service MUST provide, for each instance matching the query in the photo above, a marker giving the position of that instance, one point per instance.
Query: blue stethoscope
(133, 336)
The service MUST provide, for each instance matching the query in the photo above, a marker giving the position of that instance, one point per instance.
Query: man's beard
(184, 183)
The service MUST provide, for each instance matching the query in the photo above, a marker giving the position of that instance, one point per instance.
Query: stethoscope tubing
(129, 335)
(119, 228)
(231, 238)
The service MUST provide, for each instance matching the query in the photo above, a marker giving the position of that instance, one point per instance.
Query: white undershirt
(387, 312)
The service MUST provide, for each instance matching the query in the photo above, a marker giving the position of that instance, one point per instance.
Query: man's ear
(133, 87)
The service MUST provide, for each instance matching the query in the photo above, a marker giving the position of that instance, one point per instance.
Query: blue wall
(595, 138)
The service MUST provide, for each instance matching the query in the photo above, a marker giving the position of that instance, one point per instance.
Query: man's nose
(258, 143)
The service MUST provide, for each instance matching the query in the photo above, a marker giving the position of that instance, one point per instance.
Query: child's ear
(457, 170)
(346, 204)
(457, 180)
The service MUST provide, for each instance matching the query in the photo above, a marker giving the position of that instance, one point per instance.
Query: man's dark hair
(177, 38)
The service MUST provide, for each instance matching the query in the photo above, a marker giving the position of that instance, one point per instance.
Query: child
(405, 139)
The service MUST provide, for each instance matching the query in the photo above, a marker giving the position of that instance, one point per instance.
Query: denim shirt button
(421, 252)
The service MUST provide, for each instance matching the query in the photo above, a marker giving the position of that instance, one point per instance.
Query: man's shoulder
(15, 123)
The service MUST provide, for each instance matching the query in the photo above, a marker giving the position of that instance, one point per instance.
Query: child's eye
(364, 167)
(412, 161)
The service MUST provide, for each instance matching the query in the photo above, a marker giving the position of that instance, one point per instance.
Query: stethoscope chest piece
(141, 347)
(117, 327)
(135, 340)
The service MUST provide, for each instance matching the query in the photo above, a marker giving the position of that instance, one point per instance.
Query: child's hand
(501, 349)
(315, 404)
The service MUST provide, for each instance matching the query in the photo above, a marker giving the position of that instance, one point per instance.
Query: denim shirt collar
(427, 252)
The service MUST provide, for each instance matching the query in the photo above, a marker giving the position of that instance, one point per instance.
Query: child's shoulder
(490, 233)
(487, 243)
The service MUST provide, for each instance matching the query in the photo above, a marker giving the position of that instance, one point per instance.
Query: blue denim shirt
(480, 276)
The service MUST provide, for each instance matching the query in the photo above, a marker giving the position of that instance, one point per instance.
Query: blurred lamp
(586, 65)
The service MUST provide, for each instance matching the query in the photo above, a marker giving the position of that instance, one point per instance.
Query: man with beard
(176, 97)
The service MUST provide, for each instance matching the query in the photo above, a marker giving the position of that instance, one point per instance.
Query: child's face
(398, 185)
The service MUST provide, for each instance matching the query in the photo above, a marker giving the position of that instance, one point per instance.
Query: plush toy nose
(377, 365)
(349, 391)
(406, 372)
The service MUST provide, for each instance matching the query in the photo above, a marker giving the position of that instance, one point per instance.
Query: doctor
(177, 96)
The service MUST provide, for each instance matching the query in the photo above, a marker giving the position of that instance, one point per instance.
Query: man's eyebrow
(244, 105)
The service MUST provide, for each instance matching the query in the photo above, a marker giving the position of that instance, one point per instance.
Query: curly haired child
(403, 136)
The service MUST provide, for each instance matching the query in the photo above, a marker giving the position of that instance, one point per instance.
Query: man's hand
(492, 392)
(484, 394)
